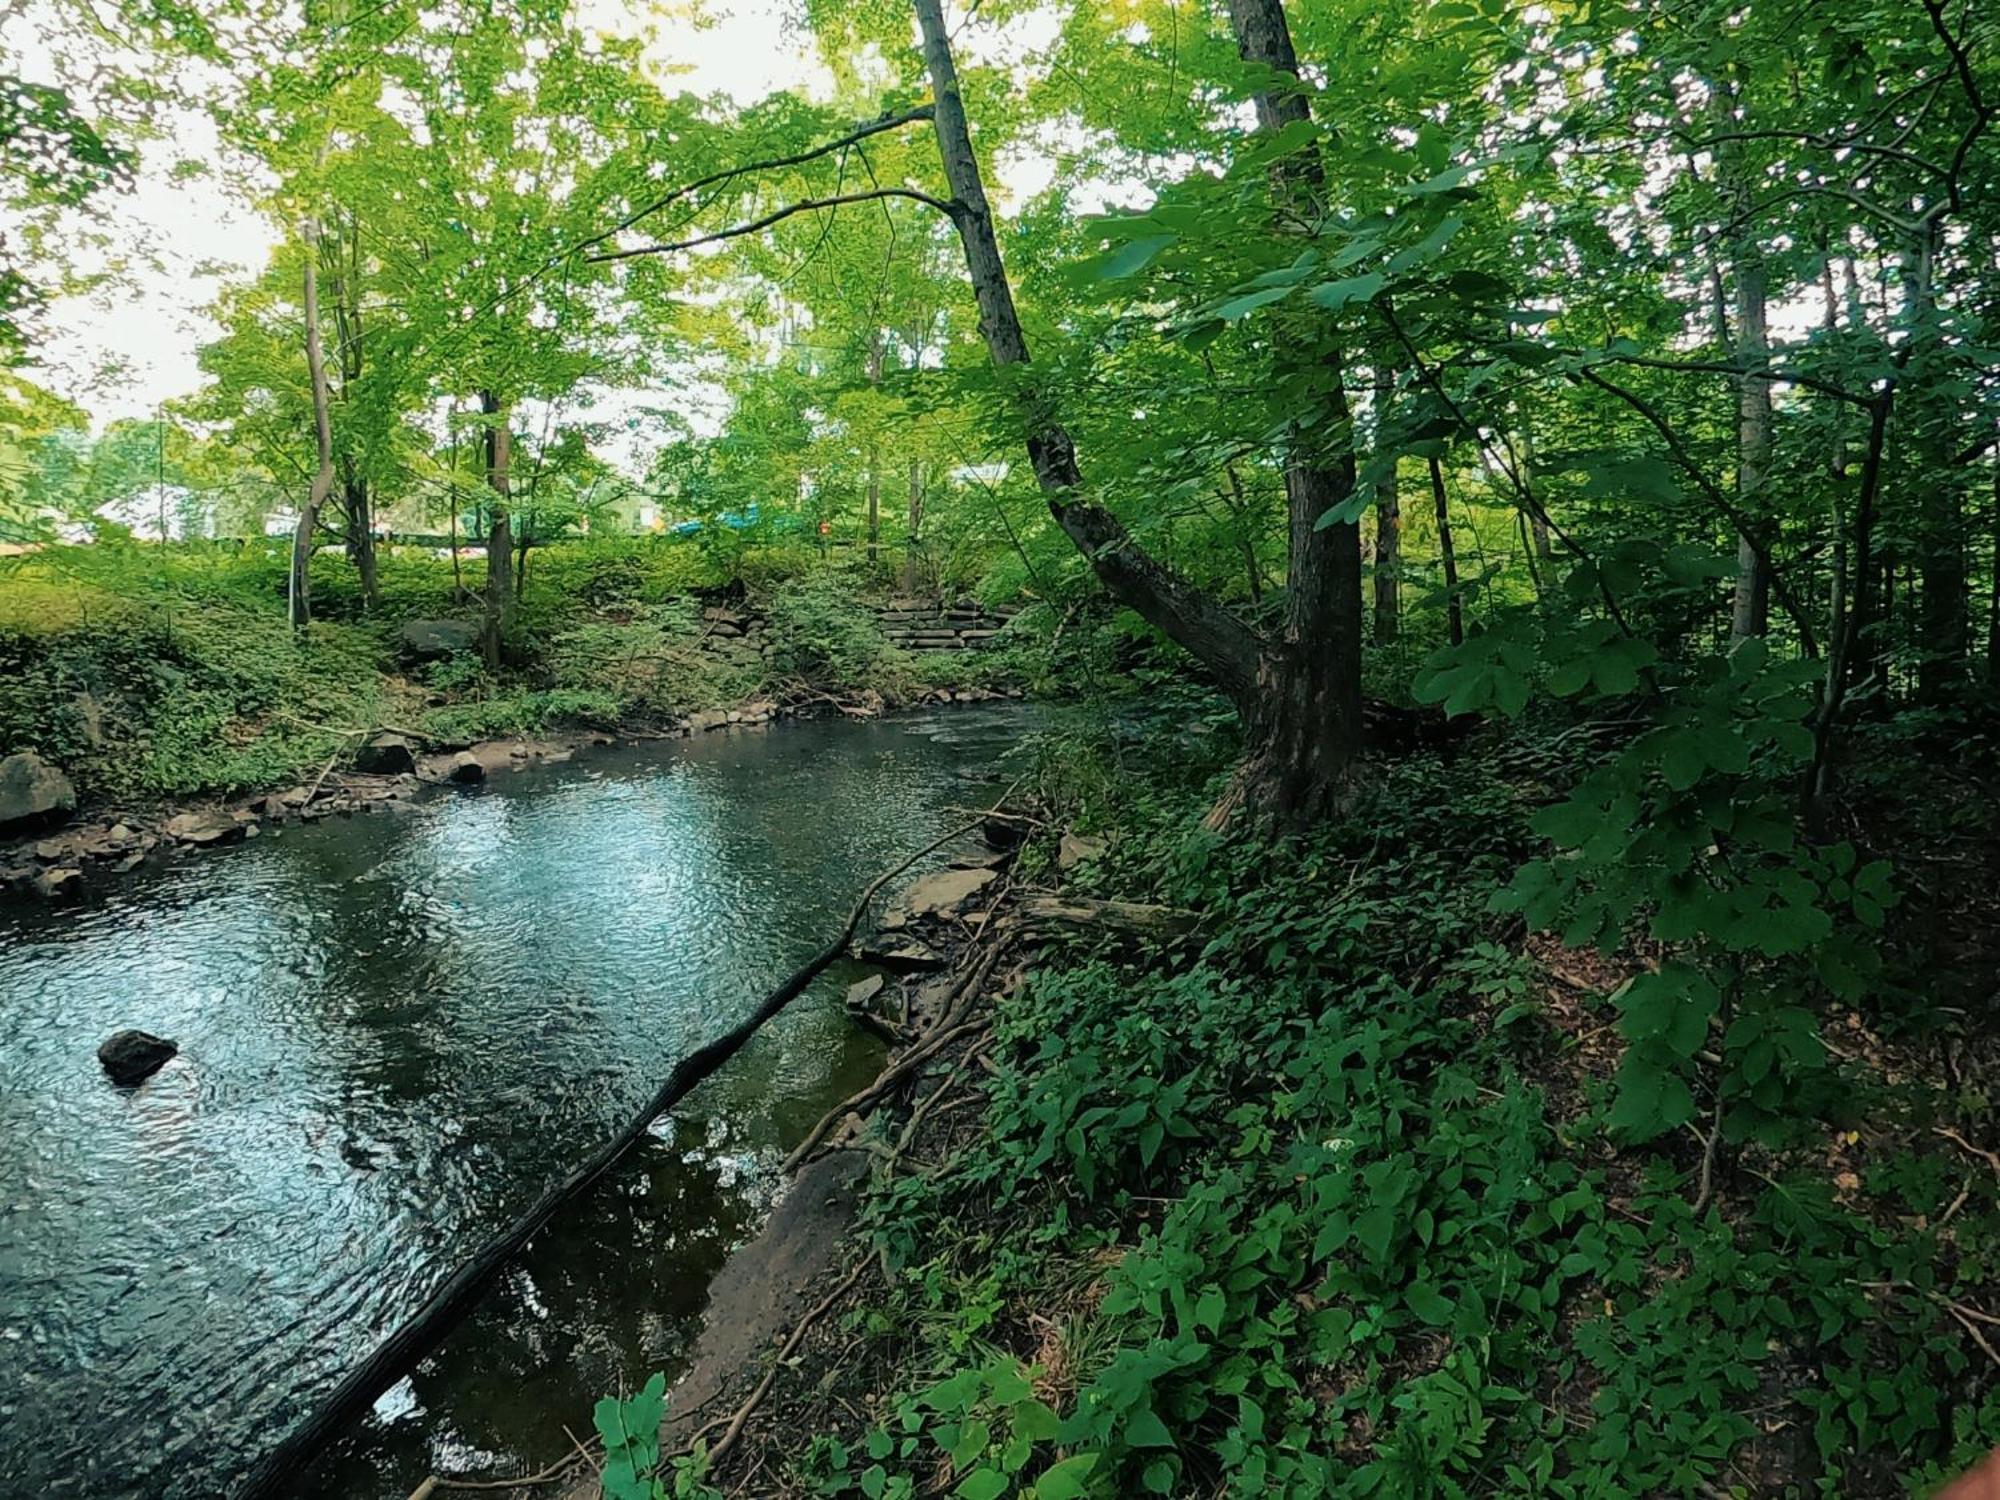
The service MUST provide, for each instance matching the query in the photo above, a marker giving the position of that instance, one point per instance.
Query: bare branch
(1807, 640)
(737, 231)
(769, 164)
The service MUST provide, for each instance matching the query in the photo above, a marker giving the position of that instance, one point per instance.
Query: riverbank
(1328, 1196)
(175, 708)
(83, 851)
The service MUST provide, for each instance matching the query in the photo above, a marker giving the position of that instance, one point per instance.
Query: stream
(396, 1031)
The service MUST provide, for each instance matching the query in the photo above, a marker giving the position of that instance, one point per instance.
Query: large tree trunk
(1751, 614)
(499, 534)
(1299, 695)
(1312, 731)
(306, 532)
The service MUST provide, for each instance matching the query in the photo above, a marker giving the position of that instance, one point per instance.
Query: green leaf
(1334, 295)
(982, 1484)
(1144, 1429)
(1428, 1303)
(1133, 257)
(1064, 1479)
(1237, 308)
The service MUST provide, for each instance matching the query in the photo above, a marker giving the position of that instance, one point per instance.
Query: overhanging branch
(769, 164)
(737, 231)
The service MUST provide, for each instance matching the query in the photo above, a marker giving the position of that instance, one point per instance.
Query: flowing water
(396, 1030)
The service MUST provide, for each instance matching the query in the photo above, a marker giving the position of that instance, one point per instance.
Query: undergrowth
(1332, 1199)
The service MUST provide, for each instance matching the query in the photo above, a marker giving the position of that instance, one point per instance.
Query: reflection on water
(395, 1032)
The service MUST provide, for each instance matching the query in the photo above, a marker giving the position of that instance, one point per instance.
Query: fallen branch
(945, 1031)
(278, 1472)
(1047, 910)
(736, 1423)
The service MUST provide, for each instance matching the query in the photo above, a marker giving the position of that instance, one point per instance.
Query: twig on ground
(1992, 1159)
(742, 1415)
(1708, 1143)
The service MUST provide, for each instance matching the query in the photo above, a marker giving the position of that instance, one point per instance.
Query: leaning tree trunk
(499, 535)
(1299, 694)
(1204, 627)
(304, 533)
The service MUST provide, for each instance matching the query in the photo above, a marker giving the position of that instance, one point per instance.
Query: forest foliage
(1621, 377)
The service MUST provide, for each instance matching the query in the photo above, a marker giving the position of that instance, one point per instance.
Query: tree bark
(912, 577)
(1205, 628)
(1306, 734)
(875, 459)
(305, 533)
(361, 536)
(1943, 614)
(499, 617)
(1299, 694)
(1751, 614)
(1454, 604)
(1388, 528)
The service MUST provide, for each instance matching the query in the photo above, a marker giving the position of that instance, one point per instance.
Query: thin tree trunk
(912, 578)
(1454, 604)
(875, 459)
(305, 533)
(1993, 603)
(1388, 526)
(361, 536)
(1943, 623)
(499, 617)
(1836, 600)
(1751, 614)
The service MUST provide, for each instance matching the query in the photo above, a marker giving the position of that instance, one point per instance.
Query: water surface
(396, 1031)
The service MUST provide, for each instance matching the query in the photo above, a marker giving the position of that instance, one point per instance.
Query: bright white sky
(123, 350)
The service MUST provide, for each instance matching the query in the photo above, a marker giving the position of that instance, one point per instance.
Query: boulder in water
(211, 826)
(386, 754)
(33, 793)
(59, 884)
(465, 769)
(131, 1057)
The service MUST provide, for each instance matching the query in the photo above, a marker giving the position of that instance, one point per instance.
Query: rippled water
(396, 1030)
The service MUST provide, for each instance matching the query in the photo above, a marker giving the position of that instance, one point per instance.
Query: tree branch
(1718, 367)
(1807, 640)
(737, 231)
(769, 164)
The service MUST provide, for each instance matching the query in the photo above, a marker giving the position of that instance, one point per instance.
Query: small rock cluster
(389, 769)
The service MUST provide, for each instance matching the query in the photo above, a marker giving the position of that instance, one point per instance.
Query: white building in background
(171, 511)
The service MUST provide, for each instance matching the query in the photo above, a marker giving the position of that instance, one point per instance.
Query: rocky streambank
(50, 851)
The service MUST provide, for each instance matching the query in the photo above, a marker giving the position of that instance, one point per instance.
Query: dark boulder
(33, 793)
(131, 1057)
(465, 769)
(386, 754)
(433, 640)
(1002, 832)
